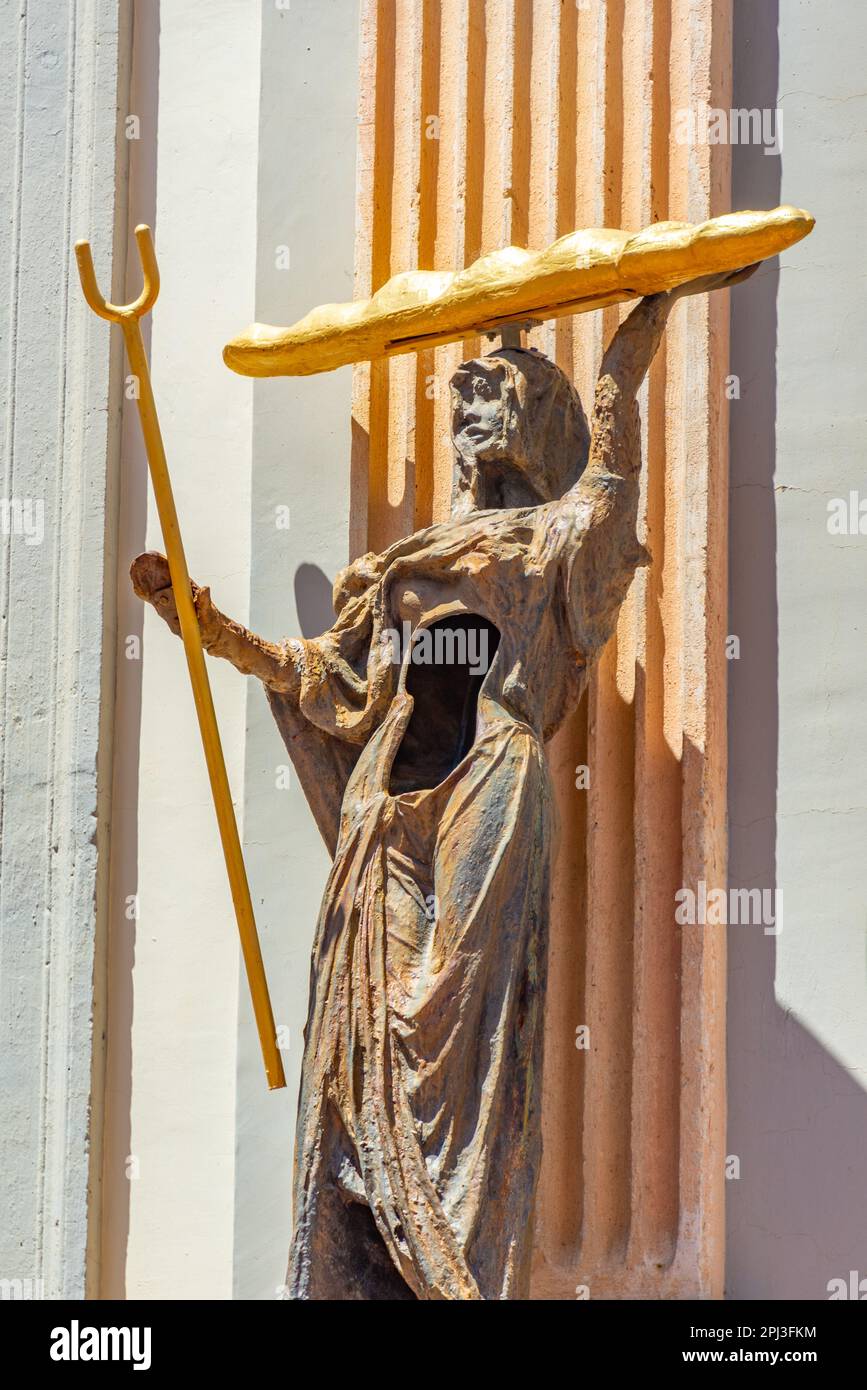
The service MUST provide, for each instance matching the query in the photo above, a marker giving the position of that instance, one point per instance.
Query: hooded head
(519, 430)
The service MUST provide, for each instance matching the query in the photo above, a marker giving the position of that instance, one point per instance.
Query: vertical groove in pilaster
(475, 173)
(497, 123)
(611, 754)
(395, 514)
(553, 213)
(564, 119)
(524, 55)
(456, 56)
(701, 68)
(371, 390)
(655, 1090)
(430, 142)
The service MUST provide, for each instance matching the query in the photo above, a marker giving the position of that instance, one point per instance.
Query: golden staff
(129, 316)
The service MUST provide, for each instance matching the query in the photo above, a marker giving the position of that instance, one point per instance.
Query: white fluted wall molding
(63, 69)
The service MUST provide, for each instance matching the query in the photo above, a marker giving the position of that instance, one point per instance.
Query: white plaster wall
(798, 761)
(247, 145)
(301, 444)
(168, 1228)
(63, 73)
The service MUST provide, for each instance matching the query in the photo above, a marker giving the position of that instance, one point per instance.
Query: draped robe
(418, 1140)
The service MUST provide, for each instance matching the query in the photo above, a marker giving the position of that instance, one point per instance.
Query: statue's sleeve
(595, 523)
(587, 546)
(346, 683)
(323, 764)
(599, 561)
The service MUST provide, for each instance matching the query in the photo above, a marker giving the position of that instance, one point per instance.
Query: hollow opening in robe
(448, 662)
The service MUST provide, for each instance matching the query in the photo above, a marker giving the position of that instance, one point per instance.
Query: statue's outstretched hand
(722, 280)
(272, 663)
(152, 582)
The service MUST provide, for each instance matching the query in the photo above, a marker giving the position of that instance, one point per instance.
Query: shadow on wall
(131, 541)
(796, 1119)
(313, 604)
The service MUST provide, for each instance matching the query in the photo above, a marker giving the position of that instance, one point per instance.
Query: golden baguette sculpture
(581, 271)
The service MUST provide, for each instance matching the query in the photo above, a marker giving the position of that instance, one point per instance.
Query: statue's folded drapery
(418, 1128)
(423, 1040)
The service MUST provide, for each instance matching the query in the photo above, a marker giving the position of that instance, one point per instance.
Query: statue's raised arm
(601, 508)
(614, 437)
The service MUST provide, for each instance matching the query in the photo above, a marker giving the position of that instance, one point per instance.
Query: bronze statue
(418, 1140)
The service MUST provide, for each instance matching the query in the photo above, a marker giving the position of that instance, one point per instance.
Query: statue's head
(519, 430)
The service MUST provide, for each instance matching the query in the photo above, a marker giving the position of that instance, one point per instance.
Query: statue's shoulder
(356, 578)
(504, 528)
(367, 570)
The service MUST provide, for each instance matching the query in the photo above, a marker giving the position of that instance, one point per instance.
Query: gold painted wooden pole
(129, 316)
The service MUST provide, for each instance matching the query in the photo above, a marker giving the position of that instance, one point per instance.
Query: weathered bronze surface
(418, 1140)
